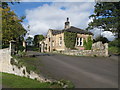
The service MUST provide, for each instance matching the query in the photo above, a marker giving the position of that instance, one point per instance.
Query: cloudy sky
(42, 16)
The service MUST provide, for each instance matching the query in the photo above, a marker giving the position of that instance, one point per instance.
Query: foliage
(11, 26)
(29, 40)
(21, 53)
(115, 43)
(28, 62)
(88, 43)
(68, 83)
(70, 39)
(114, 46)
(102, 39)
(114, 50)
(33, 48)
(37, 39)
(107, 16)
(23, 82)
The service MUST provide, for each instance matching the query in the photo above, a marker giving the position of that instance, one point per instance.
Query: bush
(114, 50)
(114, 46)
(88, 43)
(20, 48)
(115, 43)
(21, 53)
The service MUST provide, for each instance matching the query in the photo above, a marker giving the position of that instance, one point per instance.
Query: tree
(107, 16)
(12, 28)
(37, 39)
(102, 39)
(29, 40)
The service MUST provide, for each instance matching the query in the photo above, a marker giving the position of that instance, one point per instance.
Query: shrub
(114, 46)
(88, 43)
(115, 43)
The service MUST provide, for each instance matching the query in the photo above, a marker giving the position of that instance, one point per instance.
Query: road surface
(84, 72)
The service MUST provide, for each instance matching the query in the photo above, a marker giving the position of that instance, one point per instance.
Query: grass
(31, 63)
(114, 50)
(34, 64)
(13, 81)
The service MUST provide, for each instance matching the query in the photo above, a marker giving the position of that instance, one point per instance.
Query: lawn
(13, 81)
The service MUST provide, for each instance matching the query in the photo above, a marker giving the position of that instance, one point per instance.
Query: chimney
(67, 23)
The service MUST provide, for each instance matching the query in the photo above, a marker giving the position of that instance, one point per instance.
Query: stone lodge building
(55, 38)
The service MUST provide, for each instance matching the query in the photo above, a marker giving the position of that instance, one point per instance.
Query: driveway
(84, 72)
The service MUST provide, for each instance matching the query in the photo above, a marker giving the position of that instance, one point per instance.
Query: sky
(42, 16)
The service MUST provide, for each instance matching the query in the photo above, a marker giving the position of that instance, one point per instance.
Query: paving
(84, 72)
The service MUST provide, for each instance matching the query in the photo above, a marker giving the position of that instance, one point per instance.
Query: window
(60, 41)
(79, 41)
(53, 43)
(49, 39)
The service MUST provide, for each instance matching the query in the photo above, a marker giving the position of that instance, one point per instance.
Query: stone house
(55, 38)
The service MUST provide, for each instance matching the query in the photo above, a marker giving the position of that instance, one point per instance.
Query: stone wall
(6, 66)
(98, 49)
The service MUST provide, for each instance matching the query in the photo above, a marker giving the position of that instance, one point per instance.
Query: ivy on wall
(88, 43)
(70, 39)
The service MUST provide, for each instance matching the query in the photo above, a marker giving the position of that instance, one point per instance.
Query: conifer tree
(107, 16)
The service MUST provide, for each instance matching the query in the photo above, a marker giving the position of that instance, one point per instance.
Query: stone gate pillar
(24, 45)
(106, 49)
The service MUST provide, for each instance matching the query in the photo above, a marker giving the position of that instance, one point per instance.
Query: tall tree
(37, 39)
(12, 28)
(106, 16)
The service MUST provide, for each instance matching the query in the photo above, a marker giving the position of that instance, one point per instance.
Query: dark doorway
(49, 48)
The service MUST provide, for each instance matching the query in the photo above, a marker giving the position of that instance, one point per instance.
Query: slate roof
(71, 29)
(54, 32)
(78, 30)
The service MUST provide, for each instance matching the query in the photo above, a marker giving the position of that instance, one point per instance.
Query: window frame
(79, 41)
(60, 41)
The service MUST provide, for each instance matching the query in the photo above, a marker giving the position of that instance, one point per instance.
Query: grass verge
(13, 81)
(31, 63)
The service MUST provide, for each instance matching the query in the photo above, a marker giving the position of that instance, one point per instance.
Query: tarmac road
(84, 72)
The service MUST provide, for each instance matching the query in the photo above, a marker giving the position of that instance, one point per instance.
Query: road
(84, 72)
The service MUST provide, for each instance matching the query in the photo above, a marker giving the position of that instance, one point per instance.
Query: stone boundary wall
(85, 52)
(7, 67)
(98, 49)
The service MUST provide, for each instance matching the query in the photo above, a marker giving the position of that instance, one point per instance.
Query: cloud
(57, 0)
(108, 35)
(54, 15)
(97, 32)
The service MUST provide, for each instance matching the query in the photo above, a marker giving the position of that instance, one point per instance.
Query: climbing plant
(88, 43)
(70, 39)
